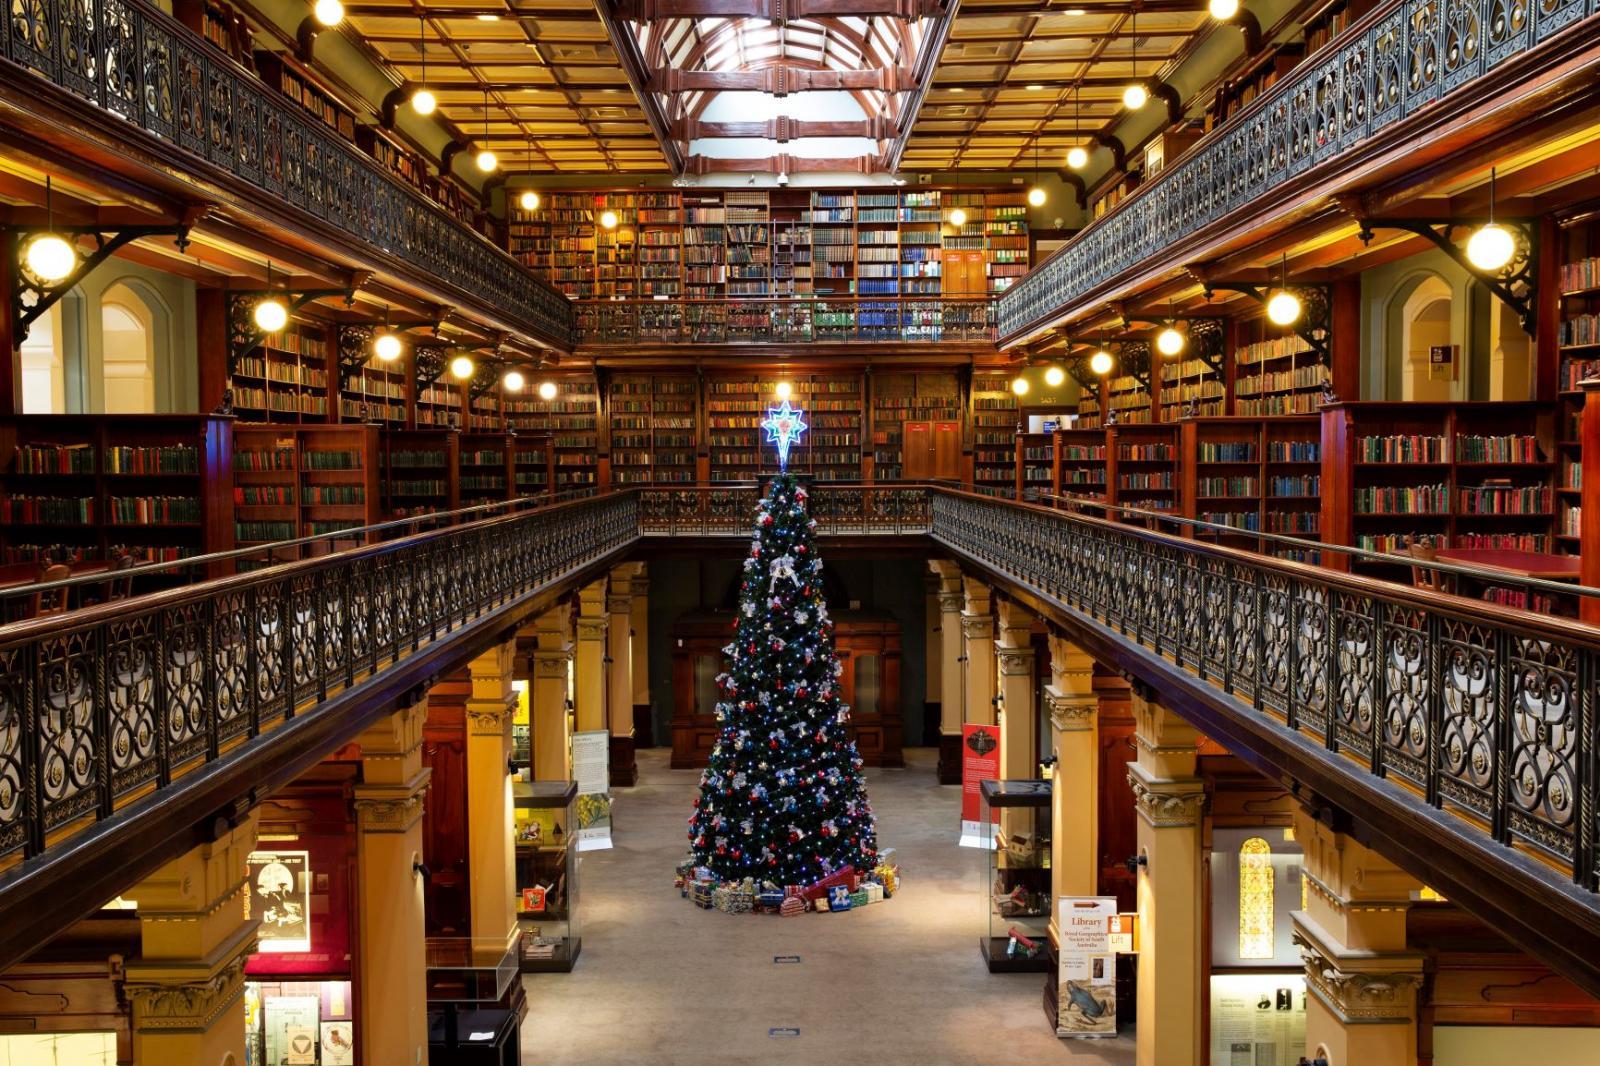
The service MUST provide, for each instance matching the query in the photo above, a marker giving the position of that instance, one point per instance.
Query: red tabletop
(1545, 565)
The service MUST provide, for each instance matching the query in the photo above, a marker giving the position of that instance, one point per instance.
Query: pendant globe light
(1491, 247)
(328, 12)
(1101, 362)
(1223, 10)
(270, 314)
(49, 256)
(1135, 95)
(1036, 195)
(958, 214)
(486, 159)
(423, 101)
(1077, 155)
(1283, 306)
(1054, 376)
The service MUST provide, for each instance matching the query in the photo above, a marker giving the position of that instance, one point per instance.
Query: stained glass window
(1256, 916)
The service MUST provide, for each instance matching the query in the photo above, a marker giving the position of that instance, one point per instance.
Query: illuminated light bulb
(1019, 385)
(783, 390)
(423, 102)
(271, 315)
(488, 18)
(1077, 157)
(1054, 376)
(1035, 88)
(461, 367)
(547, 390)
(609, 220)
(1223, 10)
(529, 200)
(487, 161)
(1283, 307)
(1135, 96)
(958, 218)
(513, 381)
(1169, 342)
(386, 346)
(1491, 247)
(328, 12)
(1036, 196)
(50, 258)
(1101, 362)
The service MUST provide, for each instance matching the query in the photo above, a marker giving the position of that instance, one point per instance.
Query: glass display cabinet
(545, 815)
(470, 995)
(1017, 877)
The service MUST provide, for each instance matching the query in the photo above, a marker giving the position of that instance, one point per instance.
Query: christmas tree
(782, 800)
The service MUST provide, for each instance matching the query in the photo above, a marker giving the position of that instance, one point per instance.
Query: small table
(1546, 565)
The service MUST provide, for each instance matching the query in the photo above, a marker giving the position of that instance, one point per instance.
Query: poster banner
(980, 762)
(280, 895)
(591, 768)
(1087, 984)
(1258, 1019)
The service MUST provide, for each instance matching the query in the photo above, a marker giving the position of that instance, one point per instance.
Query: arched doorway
(127, 352)
(1426, 321)
(44, 371)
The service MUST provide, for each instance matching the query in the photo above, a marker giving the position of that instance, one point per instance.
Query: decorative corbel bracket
(1133, 359)
(1515, 283)
(31, 297)
(1316, 317)
(243, 335)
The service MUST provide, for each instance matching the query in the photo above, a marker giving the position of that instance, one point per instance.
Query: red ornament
(722, 849)
(773, 744)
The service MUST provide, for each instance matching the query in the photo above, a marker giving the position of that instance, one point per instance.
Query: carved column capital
(951, 602)
(391, 808)
(1163, 803)
(179, 997)
(592, 628)
(550, 663)
(619, 604)
(1358, 987)
(490, 718)
(977, 627)
(1071, 713)
(1014, 662)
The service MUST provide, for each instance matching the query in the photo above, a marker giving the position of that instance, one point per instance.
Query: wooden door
(947, 450)
(916, 443)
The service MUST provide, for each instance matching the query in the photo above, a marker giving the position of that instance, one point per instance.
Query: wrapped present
(701, 893)
(858, 898)
(873, 891)
(768, 900)
(889, 877)
(821, 903)
(845, 877)
(732, 897)
(839, 898)
(791, 906)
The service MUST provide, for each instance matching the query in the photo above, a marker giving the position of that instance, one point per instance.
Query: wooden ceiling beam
(783, 129)
(773, 10)
(781, 80)
(785, 164)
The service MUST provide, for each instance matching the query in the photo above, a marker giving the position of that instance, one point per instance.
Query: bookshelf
(1142, 466)
(791, 244)
(1089, 407)
(652, 420)
(994, 433)
(438, 404)
(1579, 340)
(921, 243)
(901, 398)
(831, 449)
(79, 488)
(1480, 475)
(484, 471)
(285, 377)
(734, 408)
(1255, 474)
(1190, 381)
(832, 217)
(749, 236)
(1005, 233)
(877, 243)
(376, 392)
(532, 464)
(301, 481)
(418, 468)
(660, 244)
(1128, 400)
(1275, 375)
(1035, 464)
(1079, 455)
(572, 421)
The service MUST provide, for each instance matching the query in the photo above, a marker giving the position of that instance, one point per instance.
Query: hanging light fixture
(513, 381)
(422, 100)
(783, 390)
(328, 12)
(50, 257)
(1491, 246)
(1019, 385)
(608, 219)
(547, 391)
(1283, 306)
(1036, 195)
(1135, 95)
(461, 367)
(1169, 342)
(958, 217)
(529, 200)
(1054, 376)
(1101, 362)
(486, 159)
(1223, 10)
(270, 313)
(1077, 155)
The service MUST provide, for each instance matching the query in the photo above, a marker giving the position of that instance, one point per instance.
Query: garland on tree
(782, 801)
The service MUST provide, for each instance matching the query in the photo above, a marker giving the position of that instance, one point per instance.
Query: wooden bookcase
(1254, 474)
(1187, 381)
(285, 378)
(1035, 464)
(901, 398)
(1142, 466)
(80, 488)
(832, 448)
(1080, 462)
(652, 421)
(994, 434)
(1450, 474)
(1275, 374)
(374, 393)
(567, 428)
(484, 470)
(1578, 335)
(419, 471)
(300, 481)
(533, 464)
(438, 405)
(1128, 400)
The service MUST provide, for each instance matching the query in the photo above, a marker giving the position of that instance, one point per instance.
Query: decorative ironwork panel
(1468, 752)
(185, 647)
(1544, 745)
(1407, 681)
(119, 59)
(16, 791)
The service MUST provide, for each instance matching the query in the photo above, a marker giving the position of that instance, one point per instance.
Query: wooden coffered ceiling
(631, 86)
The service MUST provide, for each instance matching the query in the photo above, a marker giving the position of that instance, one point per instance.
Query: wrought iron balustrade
(840, 509)
(1397, 60)
(99, 705)
(139, 63)
(782, 320)
(1485, 712)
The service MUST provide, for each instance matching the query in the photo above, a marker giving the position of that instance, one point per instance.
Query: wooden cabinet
(932, 450)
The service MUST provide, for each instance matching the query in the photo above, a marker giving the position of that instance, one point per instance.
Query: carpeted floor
(662, 982)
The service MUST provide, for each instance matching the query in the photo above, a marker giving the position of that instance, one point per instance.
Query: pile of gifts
(842, 891)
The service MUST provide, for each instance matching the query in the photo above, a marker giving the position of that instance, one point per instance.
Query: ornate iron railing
(839, 509)
(99, 705)
(805, 320)
(1483, 711)
(135, 61)
(1397, 60)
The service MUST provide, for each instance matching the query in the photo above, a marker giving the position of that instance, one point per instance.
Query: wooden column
(196, 932)
(1361, 982)
(10, 343)
(491, 863)
(952, 685)
(1344, 342)
(1168, 798)
(392, 956)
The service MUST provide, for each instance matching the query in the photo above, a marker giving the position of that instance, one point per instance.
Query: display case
(470, 984)
(547, 874)
(1017, 878)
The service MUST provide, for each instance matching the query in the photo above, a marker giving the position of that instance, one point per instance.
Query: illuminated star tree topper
(783, 424)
